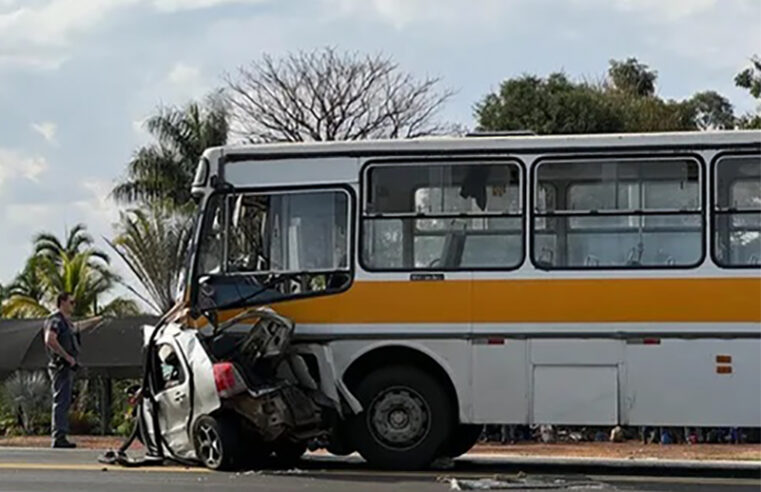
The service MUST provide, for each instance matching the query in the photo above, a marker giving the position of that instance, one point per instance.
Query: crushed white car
(234, 395)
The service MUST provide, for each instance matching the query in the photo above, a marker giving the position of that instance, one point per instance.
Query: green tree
(26, 294)
(47, 245)
(624, 102)
(74, 266)
(632, 77)
(750, 79)
(651, 114)
(551, 105)
(154, 244)
(162, 172)
(3, 296)
(712, 111)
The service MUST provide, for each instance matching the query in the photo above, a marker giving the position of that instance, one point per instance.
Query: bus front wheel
(407, 418)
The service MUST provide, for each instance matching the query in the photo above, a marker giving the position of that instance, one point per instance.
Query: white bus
(455, 282)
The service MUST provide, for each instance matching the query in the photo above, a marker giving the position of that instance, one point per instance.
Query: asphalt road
(32, 470)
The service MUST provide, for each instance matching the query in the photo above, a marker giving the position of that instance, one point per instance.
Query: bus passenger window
(442, 216)
(737, 211)
(627, 213)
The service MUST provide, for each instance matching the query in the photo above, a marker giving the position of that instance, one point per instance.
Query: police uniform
(61, 373)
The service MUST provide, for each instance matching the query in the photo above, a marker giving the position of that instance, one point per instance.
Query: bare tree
(325, 95)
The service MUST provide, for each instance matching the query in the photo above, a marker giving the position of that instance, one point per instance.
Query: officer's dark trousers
(61, 381)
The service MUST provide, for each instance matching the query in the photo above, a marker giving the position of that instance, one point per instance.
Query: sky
(78, 77)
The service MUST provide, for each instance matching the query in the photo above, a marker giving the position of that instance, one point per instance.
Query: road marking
(98, 467)
(432, 474)
(475, 474)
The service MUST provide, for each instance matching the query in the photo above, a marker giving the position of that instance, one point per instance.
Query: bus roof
(521, 143)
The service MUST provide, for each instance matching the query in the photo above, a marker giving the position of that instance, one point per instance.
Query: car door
(172, 393)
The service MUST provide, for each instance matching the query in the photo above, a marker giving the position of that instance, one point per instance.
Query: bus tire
(464, 437)
(216, 442)
(407, 417)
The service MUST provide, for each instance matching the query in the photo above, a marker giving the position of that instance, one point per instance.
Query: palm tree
(79, 275)
(3, 296)
(26, 294)
(47, 245)
(76, 274)
(154, 245)
(163, 172)
(74, 266)
(120, 308)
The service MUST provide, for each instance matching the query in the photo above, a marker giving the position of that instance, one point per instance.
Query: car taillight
(227, 379)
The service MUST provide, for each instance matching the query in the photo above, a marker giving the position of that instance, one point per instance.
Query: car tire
(216, 442)
(407, 418)
(464, 437)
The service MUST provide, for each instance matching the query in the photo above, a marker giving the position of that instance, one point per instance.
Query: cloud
(48, 130)
(39, 35)
(26, 214)
(402, 13)
(182, 82)
(177, 5)
(184, 75)
(655, 10)
(43, 61)
(16, 165)
(98, 207)
(55, 21)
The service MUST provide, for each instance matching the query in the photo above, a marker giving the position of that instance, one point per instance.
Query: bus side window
(617, 213)
(737, 211)
(442, 215)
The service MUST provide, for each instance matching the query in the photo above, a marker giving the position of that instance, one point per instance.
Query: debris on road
(292, 471)
(522, 483)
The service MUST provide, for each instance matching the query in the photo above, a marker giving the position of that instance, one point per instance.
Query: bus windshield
(250, 239)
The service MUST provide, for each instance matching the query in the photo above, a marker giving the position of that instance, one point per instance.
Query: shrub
(27, 394)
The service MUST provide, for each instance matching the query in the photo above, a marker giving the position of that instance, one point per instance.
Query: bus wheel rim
(399, 418)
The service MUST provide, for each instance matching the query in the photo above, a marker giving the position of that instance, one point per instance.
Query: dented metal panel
(282, 401)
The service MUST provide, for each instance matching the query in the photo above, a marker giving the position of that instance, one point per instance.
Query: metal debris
(292, 471)
(507, 483)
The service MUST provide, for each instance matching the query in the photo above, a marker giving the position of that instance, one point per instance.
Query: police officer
(62, 344)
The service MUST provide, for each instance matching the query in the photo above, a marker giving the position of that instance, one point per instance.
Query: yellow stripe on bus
(556, 300)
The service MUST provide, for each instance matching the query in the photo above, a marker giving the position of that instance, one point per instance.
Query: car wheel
(216, 442)
(407, 417)
(464, 437)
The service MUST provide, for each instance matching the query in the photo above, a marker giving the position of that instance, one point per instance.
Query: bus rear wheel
(407, 418)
